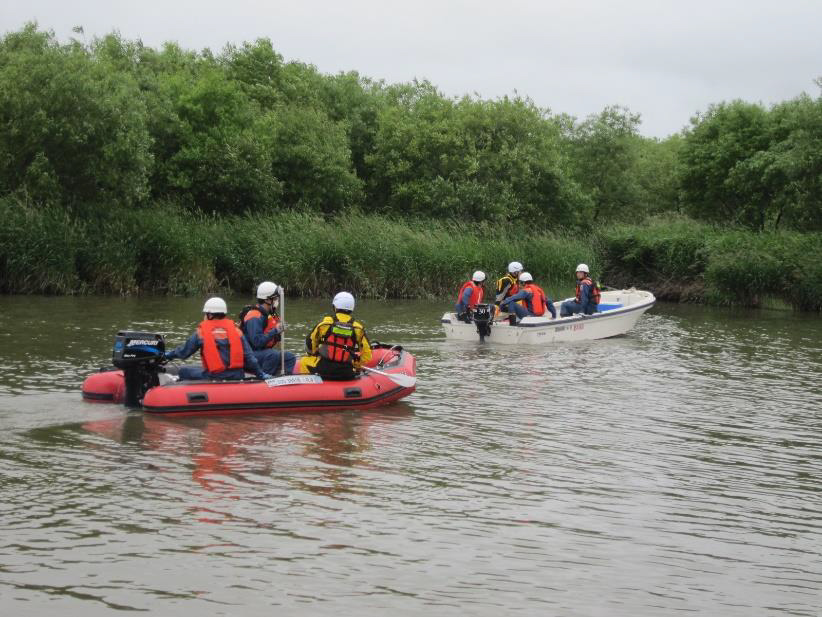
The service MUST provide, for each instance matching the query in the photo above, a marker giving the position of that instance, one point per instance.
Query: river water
(675, 470)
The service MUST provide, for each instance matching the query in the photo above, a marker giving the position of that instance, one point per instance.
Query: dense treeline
(115, 124)
(112, 136)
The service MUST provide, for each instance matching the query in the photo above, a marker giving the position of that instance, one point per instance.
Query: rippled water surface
(676, 470)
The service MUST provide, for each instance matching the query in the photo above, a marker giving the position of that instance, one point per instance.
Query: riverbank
(684, 261)
(157, 250)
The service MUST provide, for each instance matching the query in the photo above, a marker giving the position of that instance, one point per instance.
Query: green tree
(723, 161)
(355, 103)
(308, 131)
(72, 129)
(795, 163)
(310, 153)
(657, 174)
(519, 156)
(211, 149)
(605, 148)
(224, 160)
(418, 153)
(469, 159)
(260, 71)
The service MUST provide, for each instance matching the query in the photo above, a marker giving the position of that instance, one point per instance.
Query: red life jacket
(476, 294)
(212, 330)
(339, 343)
(538, 300)
(271, 322)
(595, 294)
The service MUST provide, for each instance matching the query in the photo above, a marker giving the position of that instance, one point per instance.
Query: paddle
(401, 379)
(282, 334)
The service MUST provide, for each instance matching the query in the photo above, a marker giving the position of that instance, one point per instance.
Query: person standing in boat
(587, 295)
(470, 294)
(225, 351)
(529, 301)
(263, 329)
(337, 346)
(507, 285)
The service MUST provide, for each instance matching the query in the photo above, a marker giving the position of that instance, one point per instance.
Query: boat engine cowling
(139, 355)
(483, 319)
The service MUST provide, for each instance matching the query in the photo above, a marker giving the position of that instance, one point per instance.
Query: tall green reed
(165, 250)
(37, 249)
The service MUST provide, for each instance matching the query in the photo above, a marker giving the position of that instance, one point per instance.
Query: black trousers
(334, 371)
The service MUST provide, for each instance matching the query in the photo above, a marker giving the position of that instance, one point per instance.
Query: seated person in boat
(337, 346)
(507, 285)
(263, 330)
(224, 350)
(470, 294)
(529, 301)
(587, 295)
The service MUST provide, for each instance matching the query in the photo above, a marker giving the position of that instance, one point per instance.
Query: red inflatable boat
(392, 377)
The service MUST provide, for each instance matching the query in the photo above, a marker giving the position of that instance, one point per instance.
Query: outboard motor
(483, 319)
(139, 354)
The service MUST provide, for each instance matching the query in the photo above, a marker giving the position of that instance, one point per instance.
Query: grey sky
(664, 60)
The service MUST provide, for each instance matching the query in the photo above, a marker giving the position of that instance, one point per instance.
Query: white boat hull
(545, 331)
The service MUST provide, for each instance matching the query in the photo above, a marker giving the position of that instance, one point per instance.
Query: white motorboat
(619, 310)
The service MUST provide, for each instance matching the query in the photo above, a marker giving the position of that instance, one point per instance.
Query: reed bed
(163, 250)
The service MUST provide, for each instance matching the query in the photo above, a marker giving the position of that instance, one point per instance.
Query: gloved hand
(167, 355)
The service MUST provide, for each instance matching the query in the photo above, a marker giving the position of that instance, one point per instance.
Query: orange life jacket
(595, 294)
(476, 294)
(538, 300)
(339, 343)
(270, 323)
(212, 330)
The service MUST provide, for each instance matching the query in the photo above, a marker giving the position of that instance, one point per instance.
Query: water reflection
(225, 452)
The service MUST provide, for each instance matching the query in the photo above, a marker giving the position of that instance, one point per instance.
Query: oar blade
(401, 379)
(406, 381)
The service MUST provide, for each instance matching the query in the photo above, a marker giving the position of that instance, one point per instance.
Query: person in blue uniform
(587, 295)
(263, 329)
(224, 350)
(470, 294)
(529, 301)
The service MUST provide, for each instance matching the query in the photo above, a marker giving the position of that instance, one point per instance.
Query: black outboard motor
(139, 354)
(483, 319)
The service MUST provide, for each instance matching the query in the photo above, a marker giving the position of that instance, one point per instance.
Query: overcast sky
(663, 59)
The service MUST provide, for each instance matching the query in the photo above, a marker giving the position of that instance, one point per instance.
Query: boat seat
(607, 307)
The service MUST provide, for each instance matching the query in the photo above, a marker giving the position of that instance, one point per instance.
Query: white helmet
(343, 301)
(215, 305)
(514, 266)
(479, 276)
(266, 289)
(583, 268)
(525, 277)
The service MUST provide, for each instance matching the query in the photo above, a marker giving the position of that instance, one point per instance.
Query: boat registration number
(293, 380)
(572, 327)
